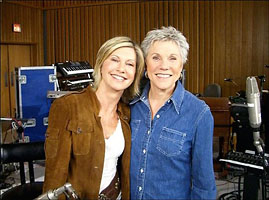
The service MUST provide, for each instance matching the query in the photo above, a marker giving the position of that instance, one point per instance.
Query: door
(5, 98)
(12, 56)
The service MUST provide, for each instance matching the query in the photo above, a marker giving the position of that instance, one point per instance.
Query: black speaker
(242, 128)
(265, 119)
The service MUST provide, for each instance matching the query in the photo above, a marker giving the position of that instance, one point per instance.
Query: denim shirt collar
(176, 98)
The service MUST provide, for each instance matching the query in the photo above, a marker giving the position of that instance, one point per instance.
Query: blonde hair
(106, 50)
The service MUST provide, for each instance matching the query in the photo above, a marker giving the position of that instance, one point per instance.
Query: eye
(156, 58)
(173, 58)
(130, 64)
(114, 59)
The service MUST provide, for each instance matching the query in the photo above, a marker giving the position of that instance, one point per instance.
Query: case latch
(30, 123)
(52, 78)
(45, 121)
(22, 79)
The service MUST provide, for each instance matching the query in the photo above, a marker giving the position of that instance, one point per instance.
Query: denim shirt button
(148, 132)
(158, 116)
(144, 151)
(141, 171)
(139, 188)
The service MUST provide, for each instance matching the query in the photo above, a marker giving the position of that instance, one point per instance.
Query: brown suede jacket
(75, 145)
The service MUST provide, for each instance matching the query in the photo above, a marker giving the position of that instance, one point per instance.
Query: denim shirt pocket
(52, 142)
(134, 128)
(170, 142)
(81, 136)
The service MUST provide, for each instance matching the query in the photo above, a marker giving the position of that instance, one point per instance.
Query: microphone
(54, 194)
(254, 111)
(253, 101)
(231, 80)
(228, 79)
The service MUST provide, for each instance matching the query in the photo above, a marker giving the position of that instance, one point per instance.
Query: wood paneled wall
(31, 20)
(228, 39)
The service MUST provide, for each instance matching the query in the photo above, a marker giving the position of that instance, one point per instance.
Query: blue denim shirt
(171, 155)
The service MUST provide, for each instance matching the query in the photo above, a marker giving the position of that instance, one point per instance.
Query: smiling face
(118, 70)
(164, 65)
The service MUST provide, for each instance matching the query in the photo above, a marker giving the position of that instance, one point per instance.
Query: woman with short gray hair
(172, 130)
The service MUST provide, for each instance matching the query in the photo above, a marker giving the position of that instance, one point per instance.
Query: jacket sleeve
(57, 146)
(203, 178)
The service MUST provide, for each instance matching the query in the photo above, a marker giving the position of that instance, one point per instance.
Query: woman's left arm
(203, 178)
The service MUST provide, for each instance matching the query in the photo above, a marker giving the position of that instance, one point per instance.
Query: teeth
(118, 77)
(163, 75)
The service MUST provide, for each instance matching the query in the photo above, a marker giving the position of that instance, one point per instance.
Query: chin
(165, 86)
(120, 87)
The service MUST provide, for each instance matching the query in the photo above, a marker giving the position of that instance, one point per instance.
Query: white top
(113, 149)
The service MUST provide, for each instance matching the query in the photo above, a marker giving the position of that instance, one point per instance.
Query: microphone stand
(231, 80)
(254, 109)
(260, 146)
(264, 175)
(66, 189)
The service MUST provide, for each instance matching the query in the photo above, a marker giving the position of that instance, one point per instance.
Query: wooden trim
(89, 4)
(24, 4)
(33, 54)
(64, 6)
(18, 43)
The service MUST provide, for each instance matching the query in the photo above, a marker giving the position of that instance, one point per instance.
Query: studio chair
(23, 152)
(212, 90)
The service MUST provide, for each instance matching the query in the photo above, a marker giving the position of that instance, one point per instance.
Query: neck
(108, 100)
(160, 95)
(157, 98)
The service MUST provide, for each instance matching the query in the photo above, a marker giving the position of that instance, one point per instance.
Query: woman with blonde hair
(88, 138)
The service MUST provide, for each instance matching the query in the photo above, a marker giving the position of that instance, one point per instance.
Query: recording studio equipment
(20, 153)
(32, 84)
(74, 68)
(66, 189)
(261, 77)
(240, 126)
(228, 79)
(74, 76)
(253, 169)
(231, 80)
(57, 94)
(246, 112)
(247, 159)
(265, 118)
(75, 83)
(16, 124)
(254, 110)
(19, 127)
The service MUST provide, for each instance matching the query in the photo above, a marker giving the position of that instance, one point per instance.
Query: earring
(146, 74)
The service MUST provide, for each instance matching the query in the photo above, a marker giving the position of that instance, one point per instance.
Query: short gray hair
(166, 34)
